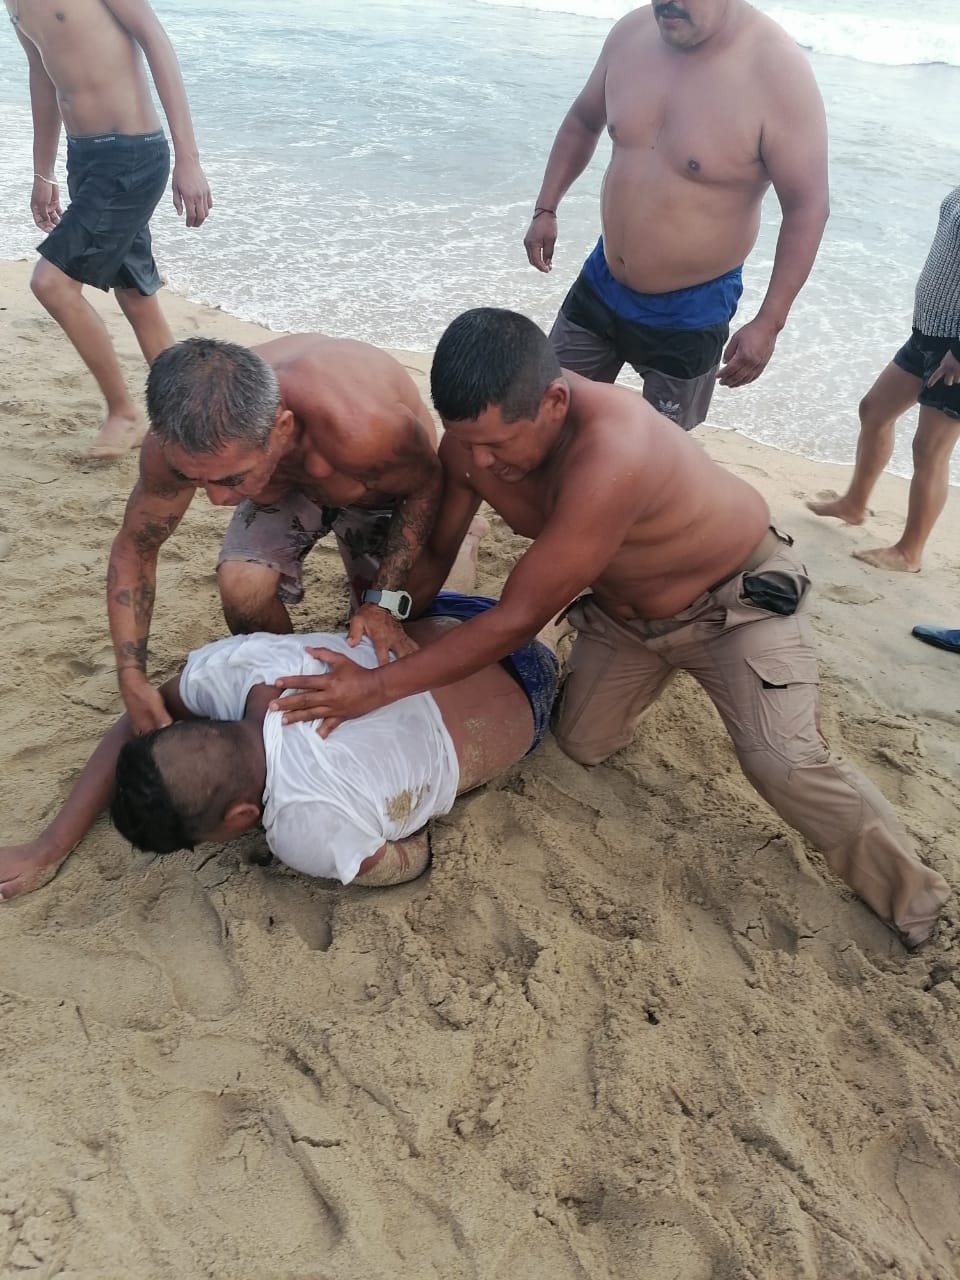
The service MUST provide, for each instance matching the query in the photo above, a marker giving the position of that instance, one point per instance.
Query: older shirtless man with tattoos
(305, 435)
(707, 102)
(684, 571)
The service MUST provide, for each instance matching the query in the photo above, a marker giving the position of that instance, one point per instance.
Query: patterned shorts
(280, 535)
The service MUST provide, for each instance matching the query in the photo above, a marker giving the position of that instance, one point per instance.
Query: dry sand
(627, 1027)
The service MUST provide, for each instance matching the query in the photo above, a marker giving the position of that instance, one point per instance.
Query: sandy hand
(25, 867)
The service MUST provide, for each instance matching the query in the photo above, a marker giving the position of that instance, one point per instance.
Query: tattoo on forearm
(137, 650)
(140, 599)
(409, 530)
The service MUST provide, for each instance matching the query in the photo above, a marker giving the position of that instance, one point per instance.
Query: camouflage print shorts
(280, 535)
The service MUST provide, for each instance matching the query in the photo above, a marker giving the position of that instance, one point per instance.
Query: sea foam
(883, 40)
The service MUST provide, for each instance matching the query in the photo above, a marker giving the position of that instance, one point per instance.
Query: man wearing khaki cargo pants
(686, 574)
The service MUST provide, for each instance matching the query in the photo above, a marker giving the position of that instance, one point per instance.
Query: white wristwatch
(396, 602)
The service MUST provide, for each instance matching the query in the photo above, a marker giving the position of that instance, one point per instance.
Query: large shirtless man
(685, 574)
(707, 102)
(87, 72)
(304, 435)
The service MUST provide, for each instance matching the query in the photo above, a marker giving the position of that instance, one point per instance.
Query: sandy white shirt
(330, 803)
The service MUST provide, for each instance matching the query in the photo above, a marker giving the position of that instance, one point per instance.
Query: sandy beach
(627, 1027)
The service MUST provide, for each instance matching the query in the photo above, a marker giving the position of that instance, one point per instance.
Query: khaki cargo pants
(760, 671)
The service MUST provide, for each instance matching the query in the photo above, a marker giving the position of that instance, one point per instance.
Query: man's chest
(701, 126)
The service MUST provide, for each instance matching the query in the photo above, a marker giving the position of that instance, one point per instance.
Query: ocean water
(374, 163)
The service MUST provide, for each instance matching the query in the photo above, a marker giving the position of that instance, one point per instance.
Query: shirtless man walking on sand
(685, 572)
(304, 435)
(86, 72)
(707, 102)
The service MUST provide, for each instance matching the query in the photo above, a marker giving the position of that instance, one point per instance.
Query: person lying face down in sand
(304, 435)
(352, 808)
(685, 574)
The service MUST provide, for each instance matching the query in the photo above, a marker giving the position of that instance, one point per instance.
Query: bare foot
(118, 435)
(887, 558)
(829, 503)
(463, 576)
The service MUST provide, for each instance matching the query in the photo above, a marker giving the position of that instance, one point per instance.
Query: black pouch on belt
(775, 592)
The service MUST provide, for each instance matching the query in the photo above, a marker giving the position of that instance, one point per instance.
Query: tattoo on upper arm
(152, 533)
(166, 489)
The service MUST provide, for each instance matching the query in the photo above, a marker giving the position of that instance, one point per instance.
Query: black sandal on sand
(939, 637)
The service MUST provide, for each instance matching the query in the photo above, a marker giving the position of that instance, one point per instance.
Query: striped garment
(936, 311)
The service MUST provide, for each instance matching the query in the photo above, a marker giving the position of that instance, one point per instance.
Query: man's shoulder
(612, 422)
(770, 47)
(638, 27)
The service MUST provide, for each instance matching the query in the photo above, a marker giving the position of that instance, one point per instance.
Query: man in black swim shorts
(86, 71)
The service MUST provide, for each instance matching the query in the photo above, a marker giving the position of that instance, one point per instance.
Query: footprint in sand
(232, 1184)
(309, 908)
(660, 1237)
(536, 1251)
(118, 988)
(844, 594)
(182, 933)
(482, 939)
(921, 1189)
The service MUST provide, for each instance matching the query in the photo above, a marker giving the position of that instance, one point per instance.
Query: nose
(221, 496)
(482, 457)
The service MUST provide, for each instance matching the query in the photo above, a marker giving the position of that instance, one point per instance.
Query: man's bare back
(693, 521)
(94, 62)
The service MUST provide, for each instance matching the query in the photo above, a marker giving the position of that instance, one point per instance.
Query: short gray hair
(203, 393)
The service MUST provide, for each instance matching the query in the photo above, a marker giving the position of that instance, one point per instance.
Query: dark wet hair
(172, 804)
(203, 393)
(489, 356)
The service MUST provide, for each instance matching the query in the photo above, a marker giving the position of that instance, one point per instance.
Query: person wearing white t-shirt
(351, 807)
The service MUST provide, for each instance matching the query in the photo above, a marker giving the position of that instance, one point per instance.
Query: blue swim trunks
(533, 666)
(673, 340)
(697, 307)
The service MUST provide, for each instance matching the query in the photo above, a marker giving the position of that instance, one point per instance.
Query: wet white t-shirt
(330, 802)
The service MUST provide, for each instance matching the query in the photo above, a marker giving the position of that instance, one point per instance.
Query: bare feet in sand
(118, 435)
(830, 503)
(887, 558)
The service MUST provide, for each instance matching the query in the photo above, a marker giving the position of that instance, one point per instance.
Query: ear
(283, 428)
(556, 400)
(239, 817)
